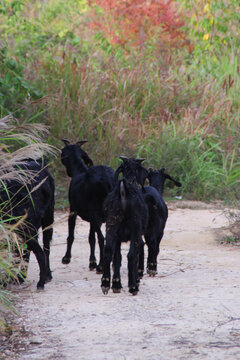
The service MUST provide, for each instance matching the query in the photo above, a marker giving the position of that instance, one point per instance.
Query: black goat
(127, 218)
(158, 214)
(32, 200)
(88, 189)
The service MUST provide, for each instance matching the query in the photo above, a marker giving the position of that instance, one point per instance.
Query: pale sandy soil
(190, 310)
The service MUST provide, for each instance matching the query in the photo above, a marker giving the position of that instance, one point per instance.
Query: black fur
(88, 189)
(158, 214)
(127, 218)
(36, 199)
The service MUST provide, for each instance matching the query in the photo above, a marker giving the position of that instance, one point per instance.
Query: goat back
(31, 195)
(155, 202)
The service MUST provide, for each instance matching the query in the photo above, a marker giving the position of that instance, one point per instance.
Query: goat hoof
(48, 277)
(152, 273)
(116, 286)
(116, 291)
(66, 260)
(105, 290)
(99, 269)
(105, 285)
(152, 269)
(92, 265)
(40, 286)
(133, 290)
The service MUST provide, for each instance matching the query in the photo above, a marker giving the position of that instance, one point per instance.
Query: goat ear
(123, 158)
(178, 184)
(140, 160)
(66, 142)
(81, 142)
(141, 175)
(162, 170)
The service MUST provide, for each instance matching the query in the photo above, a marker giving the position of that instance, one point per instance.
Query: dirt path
(190, 310)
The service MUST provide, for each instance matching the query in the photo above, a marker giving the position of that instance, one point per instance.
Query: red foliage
(133, 22)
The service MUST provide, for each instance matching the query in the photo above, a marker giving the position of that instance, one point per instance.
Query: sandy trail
(190, 310)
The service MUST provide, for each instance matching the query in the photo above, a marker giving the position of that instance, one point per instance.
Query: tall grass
(176, 118)
(178, 108)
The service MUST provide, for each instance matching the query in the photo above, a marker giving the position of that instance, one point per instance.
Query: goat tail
(123, 195)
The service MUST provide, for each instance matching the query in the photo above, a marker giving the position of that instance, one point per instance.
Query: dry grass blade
(38, 185)
(29, 134)
(5, 122)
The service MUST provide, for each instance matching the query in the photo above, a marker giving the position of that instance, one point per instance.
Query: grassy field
(174, 103)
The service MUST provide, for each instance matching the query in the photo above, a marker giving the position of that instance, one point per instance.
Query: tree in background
(132, 23)
(213, 22)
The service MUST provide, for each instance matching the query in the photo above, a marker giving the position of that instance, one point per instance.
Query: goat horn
(123, 158)
(140, 159)
(117, 172)
(66, 142)
(81, 142)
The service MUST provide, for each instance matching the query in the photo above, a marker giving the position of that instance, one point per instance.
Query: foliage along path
(190, 310)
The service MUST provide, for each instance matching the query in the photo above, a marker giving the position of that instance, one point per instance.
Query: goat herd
(96, 194)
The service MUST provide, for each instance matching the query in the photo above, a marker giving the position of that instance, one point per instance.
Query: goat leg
(95, 227)
(133, 266)
(109, 250)
(141, 260)
(105, 282)
(71, 226)
(101, 250)
(117, 262)
(47, 237)
(92, 242)
(24, 267)
(34, 246)
(152, 255)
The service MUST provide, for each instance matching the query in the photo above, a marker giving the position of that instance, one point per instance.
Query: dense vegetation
(134, 78)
